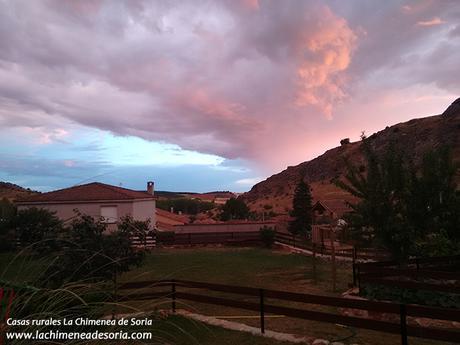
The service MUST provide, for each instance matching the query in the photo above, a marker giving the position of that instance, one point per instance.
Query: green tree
(7, 214)
(7, 210)
(267, 236)
(89, 252)
(301, 210)
(434, 204)
(33, 225)
(185, 205)
(400, 205)
(234, 209)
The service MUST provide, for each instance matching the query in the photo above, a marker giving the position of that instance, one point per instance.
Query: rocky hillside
(415, 136)
(12, 191)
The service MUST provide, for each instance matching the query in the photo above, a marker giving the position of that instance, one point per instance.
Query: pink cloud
(432, 22)
(329, 49)
(269, 81)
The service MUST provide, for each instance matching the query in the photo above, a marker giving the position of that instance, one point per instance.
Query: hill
(415, 136)
(207, 196)
(12, 191)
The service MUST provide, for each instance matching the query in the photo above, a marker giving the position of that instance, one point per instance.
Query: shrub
(410, 296)
(7, 214)
(34, 225)
(90, 253)
(185, 205)
(344, 141)
(166, 237)
(234, 209)
(267, 236)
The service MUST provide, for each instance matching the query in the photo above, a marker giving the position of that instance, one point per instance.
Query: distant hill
(12, 191)
(415, 136)
(209, 196)
(169, 195)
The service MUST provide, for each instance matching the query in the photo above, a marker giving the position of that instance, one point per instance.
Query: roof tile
(88, 192)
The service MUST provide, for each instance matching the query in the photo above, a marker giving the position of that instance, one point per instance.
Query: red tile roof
(88, 192)
(173, 216)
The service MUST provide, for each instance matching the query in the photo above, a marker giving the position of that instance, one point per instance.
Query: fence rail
(433, 274)
(148, 242)
(192, 238)
(403, 311)
(362, 253)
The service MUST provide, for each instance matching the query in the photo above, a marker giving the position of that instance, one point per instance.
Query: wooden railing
(181, 290)
(192, 238)
(432, 274)
(350, 252)
(149, 242)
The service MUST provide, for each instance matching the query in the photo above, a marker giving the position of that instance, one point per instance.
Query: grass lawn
(262, 268)
(255, 267)
(242, 266)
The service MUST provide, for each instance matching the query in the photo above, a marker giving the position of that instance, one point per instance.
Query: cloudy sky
(206, 95)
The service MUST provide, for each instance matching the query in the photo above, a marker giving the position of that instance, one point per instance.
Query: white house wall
(65, 211)
(143, 210)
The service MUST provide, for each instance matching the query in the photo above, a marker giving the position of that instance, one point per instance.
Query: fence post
(402, 314)
(358, 277)
(173, 295)
(334, 270)
(354, 266)
(314, 262)
(262, 311)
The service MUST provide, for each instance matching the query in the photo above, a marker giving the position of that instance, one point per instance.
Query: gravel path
(235, 326)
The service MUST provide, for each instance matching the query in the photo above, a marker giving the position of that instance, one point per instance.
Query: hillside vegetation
(416, 137)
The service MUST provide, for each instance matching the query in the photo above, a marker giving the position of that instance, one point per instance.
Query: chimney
(150, 185)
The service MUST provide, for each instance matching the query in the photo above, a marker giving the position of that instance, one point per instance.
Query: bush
(267, 236)
(34, 225)
(7, 214)
(345, 141)
(234, 209)
(166, 237)
(185, 205)
(89, 253)
(410, 296)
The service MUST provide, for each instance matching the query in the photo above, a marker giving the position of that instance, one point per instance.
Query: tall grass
(24, 285)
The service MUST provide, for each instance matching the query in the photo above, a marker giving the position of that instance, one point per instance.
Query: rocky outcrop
(453, 109)
(415, 136)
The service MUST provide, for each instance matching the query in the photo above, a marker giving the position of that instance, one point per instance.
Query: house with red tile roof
(165, 220)
(98, 200)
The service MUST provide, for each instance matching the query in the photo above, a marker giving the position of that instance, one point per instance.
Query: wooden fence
(432, 274)
(194, 238)
(148, 243)
(347, 251)
(177, 290)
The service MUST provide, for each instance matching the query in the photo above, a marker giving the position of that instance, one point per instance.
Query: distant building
(218, 198)
(98, 200)
(328, 211)
(221, 201)
(165, 220)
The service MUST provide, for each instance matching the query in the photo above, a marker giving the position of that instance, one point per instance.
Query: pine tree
(301, 210)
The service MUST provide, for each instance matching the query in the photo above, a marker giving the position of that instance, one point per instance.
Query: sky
(210, 95)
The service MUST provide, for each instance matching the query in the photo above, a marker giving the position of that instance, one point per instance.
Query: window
(109, 214)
